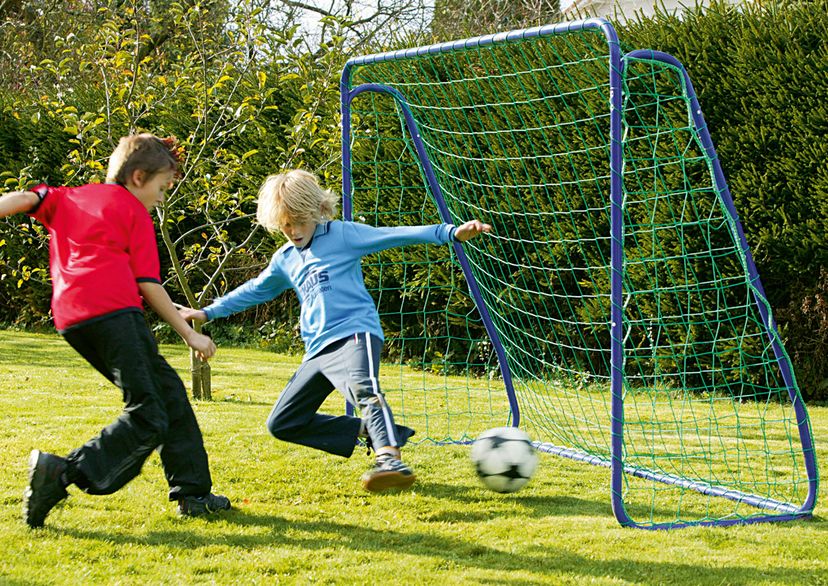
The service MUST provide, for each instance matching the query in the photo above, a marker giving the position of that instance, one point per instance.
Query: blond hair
(140, 152)
(293, 197)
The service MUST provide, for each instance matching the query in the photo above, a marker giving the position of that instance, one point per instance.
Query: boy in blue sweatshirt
(339, 322)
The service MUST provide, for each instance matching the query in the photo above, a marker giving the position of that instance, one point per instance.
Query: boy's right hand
(471, 229)
(204, 347)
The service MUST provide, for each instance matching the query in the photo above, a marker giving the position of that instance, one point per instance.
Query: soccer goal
(615, 312)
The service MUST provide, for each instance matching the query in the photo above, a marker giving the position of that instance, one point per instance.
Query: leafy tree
(242, 89)
(457, 19)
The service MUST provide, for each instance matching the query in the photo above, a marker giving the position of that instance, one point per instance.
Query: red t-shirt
(102, 245)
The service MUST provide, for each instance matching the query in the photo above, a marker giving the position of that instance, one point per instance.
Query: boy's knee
(153, 433)
(150, 425)
(371, 401)
(279, 427)
(366, 392)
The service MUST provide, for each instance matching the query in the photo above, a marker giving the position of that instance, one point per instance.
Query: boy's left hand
(471, 229)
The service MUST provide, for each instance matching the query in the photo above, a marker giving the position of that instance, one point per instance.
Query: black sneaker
(388, 473)
(45, 488)
(196, 506)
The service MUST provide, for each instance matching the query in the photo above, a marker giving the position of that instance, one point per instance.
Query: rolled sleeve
(143, 251)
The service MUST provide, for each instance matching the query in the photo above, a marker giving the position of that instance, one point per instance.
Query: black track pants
(157, 412)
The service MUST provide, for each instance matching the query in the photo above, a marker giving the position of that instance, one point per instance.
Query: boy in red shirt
(104, 263)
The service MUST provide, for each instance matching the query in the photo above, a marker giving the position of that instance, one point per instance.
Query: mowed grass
(301, 517)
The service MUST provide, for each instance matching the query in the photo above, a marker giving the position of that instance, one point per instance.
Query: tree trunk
(200, 373)
(199, 370)
(200, 377)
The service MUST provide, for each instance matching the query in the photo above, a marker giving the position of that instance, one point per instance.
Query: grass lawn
(301, 517)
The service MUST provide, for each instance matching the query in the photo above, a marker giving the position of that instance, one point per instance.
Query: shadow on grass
(540, 506)
(314, 535)
(814, 522)
(556, 506)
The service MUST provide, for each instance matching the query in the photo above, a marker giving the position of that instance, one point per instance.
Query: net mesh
(518, 134)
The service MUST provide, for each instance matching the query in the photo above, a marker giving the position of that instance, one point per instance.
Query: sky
(311, 19)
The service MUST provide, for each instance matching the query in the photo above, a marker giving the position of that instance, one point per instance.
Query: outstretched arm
(363, 239)
(156, 297)
(261, 289)
(17, 202)
(471, 229)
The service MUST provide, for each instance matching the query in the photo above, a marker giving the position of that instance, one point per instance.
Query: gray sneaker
(388, 473)
(196, 506)
(45, 488)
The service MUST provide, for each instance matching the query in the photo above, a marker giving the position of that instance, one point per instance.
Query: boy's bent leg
(354, 370)
(182, 454)
(122, 348)
(294, 417)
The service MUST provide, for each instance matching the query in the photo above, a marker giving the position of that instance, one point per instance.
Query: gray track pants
(350, 365)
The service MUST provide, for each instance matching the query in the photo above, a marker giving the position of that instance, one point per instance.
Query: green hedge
(766, 146)
(760, 74)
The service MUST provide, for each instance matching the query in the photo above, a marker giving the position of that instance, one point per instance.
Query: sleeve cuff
(41, 191)
(453, 233)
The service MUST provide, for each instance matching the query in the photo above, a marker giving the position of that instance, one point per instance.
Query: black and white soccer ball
(504, 458)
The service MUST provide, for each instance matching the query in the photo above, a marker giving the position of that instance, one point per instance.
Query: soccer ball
(504, 458)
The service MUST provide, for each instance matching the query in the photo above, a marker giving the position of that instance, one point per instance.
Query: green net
(518, 134)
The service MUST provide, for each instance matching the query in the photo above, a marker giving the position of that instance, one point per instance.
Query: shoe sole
(34, 457)
(382, 481)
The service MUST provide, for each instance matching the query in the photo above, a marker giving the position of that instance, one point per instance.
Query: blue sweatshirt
(327, 277)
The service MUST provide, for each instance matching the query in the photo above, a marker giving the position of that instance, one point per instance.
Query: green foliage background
(759, 71)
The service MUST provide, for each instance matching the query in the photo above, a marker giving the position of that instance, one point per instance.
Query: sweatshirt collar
(321, 228)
